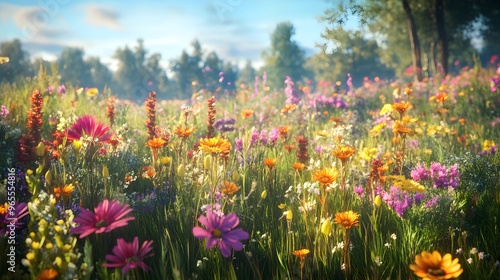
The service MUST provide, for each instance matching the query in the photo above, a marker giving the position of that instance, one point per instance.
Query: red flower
(87, 125)
(106, 217)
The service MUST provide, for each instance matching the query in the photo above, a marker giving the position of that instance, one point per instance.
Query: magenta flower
(87, 125)
(220, 231)
(106, 217)
(10, 218)
(129, 255)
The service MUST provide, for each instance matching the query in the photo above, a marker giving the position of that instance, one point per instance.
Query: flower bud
(326, 227)
(263, 195)
(207, 162)
(77, 144)
(377, 201)
(40, 149)
(289, 215)
(235, 176)
(181, 170)
(105, 171)
(48, 177)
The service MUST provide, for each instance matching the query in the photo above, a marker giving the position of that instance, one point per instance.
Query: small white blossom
(469, 260)
(473, 250)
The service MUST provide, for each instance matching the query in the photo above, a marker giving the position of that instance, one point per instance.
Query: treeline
(442, 37)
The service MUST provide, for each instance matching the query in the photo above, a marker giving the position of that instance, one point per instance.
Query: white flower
(388, 245)
(469, 260)
(342, 267)
(459, 251)
(473, 250)
(481, 255)
(393, 236)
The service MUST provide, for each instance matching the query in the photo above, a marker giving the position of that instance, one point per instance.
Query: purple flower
(238, 144)
(264, 80)
(10, 216)
(360, 191)
(61, 89)
(420, 173)
(263, 137)
(129, 255)
(273, 136)
(431, 203)
(220, 231)
(291, 92)
(225, 125)
(254, 137)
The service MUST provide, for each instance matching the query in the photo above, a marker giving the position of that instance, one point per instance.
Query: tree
(19, 65)
(285, 57)
(414, 42)
(247, 74)
(188, 70)
(73, 67)
(100, 75)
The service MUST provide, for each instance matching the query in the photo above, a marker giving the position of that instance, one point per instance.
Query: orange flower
(4, 208)
(347, 219)
(156, 143)
(289, 148)
(400, 128)
(299, 166)
(47, 274)
(432, 266)
(148, 171)
(184, 132)
(401, 107)
(64, 191)
(325, 176)
(441, 97)
(284, 130)
(343, 152)
(246, 113)
(288, 108)
(270, 162)
(229, 188)
(214, 145)
(336, 120)
(302, 253)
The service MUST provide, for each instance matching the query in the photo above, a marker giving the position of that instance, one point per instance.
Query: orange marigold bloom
(343, 152)
(400, 128)
(299, 166)
(431, 266)
(246, 113)
(288, 108)
(47, 274)
(64, 191)
(441, 97)
(347, 219)
(270, 162)
(325, 176)
(184, 132)
(214, 145)
(4, 208)
(289, 148)
(401, 107)
(284, 130)
(302, 253)
(229, 188)
(156, 143)
(148, 171)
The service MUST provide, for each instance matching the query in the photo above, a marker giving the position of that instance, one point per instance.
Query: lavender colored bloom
(398, 200)
(61, 89)
(264, 80)
(225, 125)
(273, 136)
(431, 203)
(263, 137)
(238, 144)
(255, 87)
(254, 137)
(291, 92)
(420, 173)
(319, 150)
(221, 231)
(360, 191)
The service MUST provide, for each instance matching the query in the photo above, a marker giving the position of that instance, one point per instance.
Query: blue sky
(236, 29)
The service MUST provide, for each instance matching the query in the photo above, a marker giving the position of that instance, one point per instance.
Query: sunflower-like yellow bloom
(214, 145)
(431, 266)
(401, 107)
(347, 219)
(406, 184)
(325, 176)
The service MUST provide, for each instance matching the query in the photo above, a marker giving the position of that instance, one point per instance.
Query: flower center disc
(436, 272)
(216, 233)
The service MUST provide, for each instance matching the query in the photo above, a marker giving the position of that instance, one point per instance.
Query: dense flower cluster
(439, 174)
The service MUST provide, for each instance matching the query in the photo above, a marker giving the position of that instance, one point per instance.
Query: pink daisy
(106, 217)
(89, 126)
(220, 230)
(129, 255)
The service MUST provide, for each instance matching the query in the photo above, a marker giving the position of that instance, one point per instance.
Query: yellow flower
(347, 219)
(4, 59)
(165, 160)
(325, 176)
(401, 128)
(387, 109)
(214, 145)
(488, 144)
(181, 170)
(406, 184)
(368, 153)
(245, 114)
(40, 149)
(282, 206)
(77, 144)
(263, 195)
(401, 107)
(30, 256)
(289, 215)
(431, 266)
(377, 201)
(375, 131)
(321, 133)
(91, 92)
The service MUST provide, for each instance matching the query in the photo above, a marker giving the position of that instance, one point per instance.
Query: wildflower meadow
(389, 180)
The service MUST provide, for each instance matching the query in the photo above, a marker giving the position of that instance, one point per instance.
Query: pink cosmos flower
(106, 217)
(129, 255)
(89, 126)
(220, 230)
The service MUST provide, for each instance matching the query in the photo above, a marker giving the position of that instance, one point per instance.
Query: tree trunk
(415, 45)
(442, 39)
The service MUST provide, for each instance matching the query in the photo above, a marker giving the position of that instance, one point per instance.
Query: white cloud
(101, 16)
